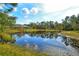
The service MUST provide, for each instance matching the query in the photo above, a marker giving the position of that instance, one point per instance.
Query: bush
(7, 37)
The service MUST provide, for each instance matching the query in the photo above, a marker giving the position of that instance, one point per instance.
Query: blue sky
(28, 12)
(47, 11)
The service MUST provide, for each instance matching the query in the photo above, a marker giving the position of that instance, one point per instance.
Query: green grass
(30, 30)
(11, 31)
(73, 34)
(13, 50)
(6, 37)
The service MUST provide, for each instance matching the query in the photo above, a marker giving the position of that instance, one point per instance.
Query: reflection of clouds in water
(32, 46)
(73, 51)
(55, 51)
(27, 45)
(45, 39)
(59, 39)
(39, 43)
(27, 36)
(25, 40)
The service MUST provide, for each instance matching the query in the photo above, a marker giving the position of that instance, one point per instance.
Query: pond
(47, 42)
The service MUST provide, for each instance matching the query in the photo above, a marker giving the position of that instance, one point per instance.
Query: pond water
(48, 42)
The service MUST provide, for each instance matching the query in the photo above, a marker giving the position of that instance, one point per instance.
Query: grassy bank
(11, 31)
(71, 34)
(48, 30)
(13, 50)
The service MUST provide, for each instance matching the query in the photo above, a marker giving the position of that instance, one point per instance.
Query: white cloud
(57, 5)
(24, 21)
(10, 14)
(26, 11)
(58, 16)
(14, 9)
(34, 10)
(26, 17)
(1, 6)
(72, 11)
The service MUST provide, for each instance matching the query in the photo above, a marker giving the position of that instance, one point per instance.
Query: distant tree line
(69, 23)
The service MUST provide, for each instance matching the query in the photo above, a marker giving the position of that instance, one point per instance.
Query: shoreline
(70, 34)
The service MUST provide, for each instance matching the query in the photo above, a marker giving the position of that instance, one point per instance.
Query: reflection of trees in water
(55, 35)
(20, 34)
(69, 41)
(43, 34)
(65, 40)
(75, 43)
(39, 34)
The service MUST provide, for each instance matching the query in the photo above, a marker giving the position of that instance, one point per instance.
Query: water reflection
(43, 34)
(70, 41)
(47, 41)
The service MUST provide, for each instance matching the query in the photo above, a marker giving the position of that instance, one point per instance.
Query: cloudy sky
(46, 10)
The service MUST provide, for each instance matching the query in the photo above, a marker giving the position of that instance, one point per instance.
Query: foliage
(69, 23)
(6, 20)
(6, 37)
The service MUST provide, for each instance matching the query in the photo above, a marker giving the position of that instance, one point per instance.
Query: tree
(5, 19)
(73, 21)
(66, 23)
(77, 22)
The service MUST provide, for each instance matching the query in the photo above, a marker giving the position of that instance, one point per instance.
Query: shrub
(7, 37)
